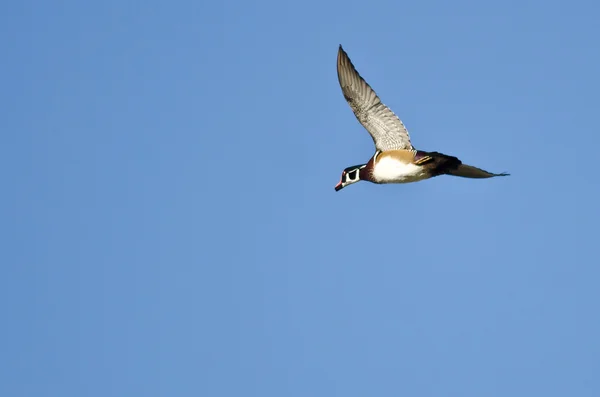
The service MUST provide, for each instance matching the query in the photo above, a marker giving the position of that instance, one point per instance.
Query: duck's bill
(339, 186)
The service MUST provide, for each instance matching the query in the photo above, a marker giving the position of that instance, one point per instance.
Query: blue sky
(170, 226)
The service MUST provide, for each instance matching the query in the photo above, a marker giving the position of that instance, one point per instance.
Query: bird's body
(395, 159)
(394, 167)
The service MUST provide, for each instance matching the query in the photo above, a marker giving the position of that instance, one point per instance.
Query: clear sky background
(170, 228)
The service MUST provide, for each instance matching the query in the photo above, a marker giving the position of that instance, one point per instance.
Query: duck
(395, 160)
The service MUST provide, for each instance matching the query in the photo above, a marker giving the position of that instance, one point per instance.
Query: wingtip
(342, 56)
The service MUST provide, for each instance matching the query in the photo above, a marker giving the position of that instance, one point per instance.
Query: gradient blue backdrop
(170, 228)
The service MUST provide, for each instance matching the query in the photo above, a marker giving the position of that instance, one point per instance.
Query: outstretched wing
(385, 127)
(468, 171)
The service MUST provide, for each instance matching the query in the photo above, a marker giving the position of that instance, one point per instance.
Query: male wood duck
(395, 159)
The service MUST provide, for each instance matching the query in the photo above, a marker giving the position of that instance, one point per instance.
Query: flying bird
(395, 159)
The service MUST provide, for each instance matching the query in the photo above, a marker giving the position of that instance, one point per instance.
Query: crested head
(350, 175)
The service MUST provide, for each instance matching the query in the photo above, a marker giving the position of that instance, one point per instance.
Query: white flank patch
(390, 170)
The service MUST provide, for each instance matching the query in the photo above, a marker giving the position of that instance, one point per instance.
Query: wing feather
(386, 129)
(468, 171)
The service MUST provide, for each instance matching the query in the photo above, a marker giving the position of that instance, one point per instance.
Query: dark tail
(440, 163)
(443, 164)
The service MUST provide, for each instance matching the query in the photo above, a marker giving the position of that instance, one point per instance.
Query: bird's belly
(389, 170)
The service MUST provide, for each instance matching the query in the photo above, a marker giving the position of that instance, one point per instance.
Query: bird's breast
(391, 170)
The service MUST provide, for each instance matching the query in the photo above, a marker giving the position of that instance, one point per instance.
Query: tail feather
(468, 171)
